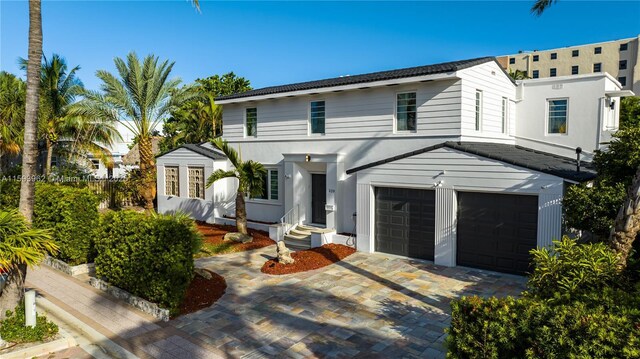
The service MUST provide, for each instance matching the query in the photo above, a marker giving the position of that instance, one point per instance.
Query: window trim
(597, 50)
(478, 110)
(577, 68)
(395, 112)
(269, 200)
(555, 72)
(165, 181)
(575, 53)
(553, 56)
(535, 74)
(244, 122)
(309, 131)
(204, 181)
(535, 58)
(594, 67)
(546, 117)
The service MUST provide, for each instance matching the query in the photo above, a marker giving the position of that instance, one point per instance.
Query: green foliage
(20, 244)
(13, 328)
(12, 107)
(593, 208)
(9, 194)
(150, 256)
(518, 75)
(250, 173)
(130, 187)
(630, 112)
(618, 164)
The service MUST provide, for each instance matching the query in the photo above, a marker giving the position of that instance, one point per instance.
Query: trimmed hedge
(150, 256)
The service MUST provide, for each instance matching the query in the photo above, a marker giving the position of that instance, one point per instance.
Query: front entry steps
(299, 238)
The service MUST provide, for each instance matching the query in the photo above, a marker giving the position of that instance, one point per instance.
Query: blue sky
(274, 43)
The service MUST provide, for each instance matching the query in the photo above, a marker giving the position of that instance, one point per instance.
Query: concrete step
(296, 243)
(293, 235)
(299, 232)
(306, 228)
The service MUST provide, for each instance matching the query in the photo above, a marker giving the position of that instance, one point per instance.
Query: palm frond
(541, 5)
(220, 174)
(229, 151)
(252, 175)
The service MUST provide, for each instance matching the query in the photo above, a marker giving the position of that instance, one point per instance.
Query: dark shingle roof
(516, 155)
(201, 150)
(371, 77)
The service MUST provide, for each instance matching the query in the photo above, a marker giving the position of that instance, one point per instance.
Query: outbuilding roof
(444, 67)
(512, 154)
(199, 149)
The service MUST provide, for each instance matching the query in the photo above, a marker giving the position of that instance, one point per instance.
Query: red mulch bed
(309, 259)
(214, 234)
(202, 293)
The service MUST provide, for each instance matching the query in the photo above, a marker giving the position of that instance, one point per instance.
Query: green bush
(594, 208)
(149, 256)
(13, 328)
(9, 194)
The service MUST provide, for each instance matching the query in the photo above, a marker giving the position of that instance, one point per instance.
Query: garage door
(496, 231)
(405, 222)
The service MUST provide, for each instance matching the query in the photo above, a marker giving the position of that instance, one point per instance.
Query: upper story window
(196, 182)
(95, 164)
(269, 185)
(505, 114)
(554, 55)
(512, 60)
(317, 117)
(623, 47)
(597, 50)
(575, 53)
(535, 74)
(597, 67)
(251, 122)
(171, 181)
(623, 65)
(574, 70)
(623, 80)
(552, 72)
(536, 58)
(406, 111)
(557, 118)
(478, 110)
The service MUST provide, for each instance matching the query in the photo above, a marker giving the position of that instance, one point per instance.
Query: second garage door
(496, 231)
(405, 222)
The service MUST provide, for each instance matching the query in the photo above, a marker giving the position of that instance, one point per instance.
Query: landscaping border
(66, 268)
(144, 305)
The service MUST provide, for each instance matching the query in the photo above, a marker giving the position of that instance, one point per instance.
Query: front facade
(618, 58)
(365, 155)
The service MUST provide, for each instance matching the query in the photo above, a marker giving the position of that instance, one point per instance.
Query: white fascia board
(568, 78)
(621, 93)
(363, 85)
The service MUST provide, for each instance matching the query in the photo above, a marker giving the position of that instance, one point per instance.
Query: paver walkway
(369, 305)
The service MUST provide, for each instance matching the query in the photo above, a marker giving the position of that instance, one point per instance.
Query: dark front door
(405, 222)
(318, 198)
(496, 231)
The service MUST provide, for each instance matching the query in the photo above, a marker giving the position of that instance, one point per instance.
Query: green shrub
(13, 329)
(9, 194)
(72, 214)
(150, 256)
(594, 208)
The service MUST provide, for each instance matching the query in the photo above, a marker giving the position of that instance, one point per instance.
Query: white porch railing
(290, 220)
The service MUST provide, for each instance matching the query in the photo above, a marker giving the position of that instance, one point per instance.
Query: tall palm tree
(12, 102)
(539, 6)
(140, 98)
(250, 176)
(626, 228)
(20, 247)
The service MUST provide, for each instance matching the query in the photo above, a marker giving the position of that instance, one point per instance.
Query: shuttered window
(196, 182)
(406, 112)
(557, 116)
(172, 181)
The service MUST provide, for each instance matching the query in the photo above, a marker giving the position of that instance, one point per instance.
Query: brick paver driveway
(365, 306)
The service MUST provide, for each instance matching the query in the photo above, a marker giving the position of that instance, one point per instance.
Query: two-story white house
(452, 162)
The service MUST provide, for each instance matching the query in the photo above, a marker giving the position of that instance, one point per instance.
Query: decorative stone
(203, 273)
(238, 237)
(284, 254)
(66, 268)
(142, 304)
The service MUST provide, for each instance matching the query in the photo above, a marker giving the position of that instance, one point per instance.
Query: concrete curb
(42, 349)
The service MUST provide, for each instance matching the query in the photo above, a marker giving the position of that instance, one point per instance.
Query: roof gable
(199, 149)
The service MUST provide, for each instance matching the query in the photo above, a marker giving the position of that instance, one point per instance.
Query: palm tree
(626, 227)
(20, 247)
(541, 5)
(12, 102)
(30, 144)
(518, 75)
(139, 99)
(250, 176)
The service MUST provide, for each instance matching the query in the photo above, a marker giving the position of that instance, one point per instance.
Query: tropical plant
(630, 112)
(539, 6)
(12, 102)
(20, 247)
(518, 75)
(140, 97)
(250, 176)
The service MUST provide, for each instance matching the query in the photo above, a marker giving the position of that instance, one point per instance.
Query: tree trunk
(30, 148)
(147, 172)
(241, 213)
(627, 224)
(14, 290)
(47, 171)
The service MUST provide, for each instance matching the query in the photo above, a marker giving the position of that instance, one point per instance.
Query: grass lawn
(214, 244)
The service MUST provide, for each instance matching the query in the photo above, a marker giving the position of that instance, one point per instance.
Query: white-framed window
(251, 122)
(270, 186)
(196, 182)
(557, 116)
(406, 112)
(478, 125)
(317, 117)
(95, 164)
(172, 181)
(505, 114)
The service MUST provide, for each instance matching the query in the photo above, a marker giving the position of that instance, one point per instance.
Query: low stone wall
(66, 268)
(142, 304)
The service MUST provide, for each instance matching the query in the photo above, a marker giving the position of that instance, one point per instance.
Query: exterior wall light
(307, 158)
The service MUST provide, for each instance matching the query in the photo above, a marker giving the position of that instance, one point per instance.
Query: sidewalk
(119, 330)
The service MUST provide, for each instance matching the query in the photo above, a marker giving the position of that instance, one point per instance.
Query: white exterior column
(365, 217)
(445, 231)
(549, 218)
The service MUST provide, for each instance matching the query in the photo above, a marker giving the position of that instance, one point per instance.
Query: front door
(318, 198)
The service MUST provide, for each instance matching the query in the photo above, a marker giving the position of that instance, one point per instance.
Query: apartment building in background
(619, 58)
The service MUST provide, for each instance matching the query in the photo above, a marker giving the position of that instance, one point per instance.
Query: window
(269, 185)
(54, 161)
(597, 50)
(575, 53)
(554, 55)
(536, 58)
(512, 60)
(623, 47)
(317, 116)
(505, 113)
(536, 74)
(623, 65)
(552, 72)
(171, 181)
(406, 111)
(196, 182)
(574, 70)
(478, 109)
(623, 80)
(95, 164)
(557, 116)
(597, 67)
(251, 122)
